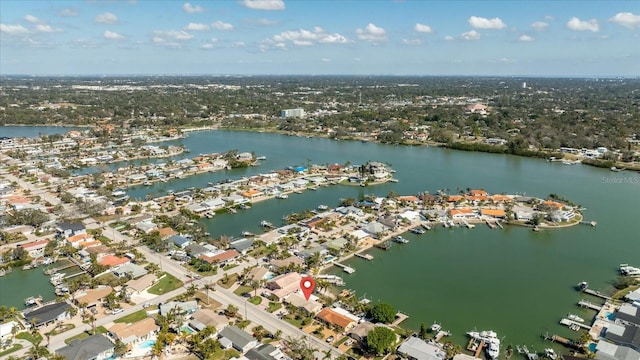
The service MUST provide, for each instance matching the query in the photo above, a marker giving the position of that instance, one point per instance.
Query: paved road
(44, 194)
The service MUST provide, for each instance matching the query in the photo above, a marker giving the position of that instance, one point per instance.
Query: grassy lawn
(80, 336)
(229, 267)
(620, 294)
(256, 300)
(274, 306)
(30, 338)
(195, 270)
(295, 322)
(131, 318)
(15, 347)
(242, 290)
(61, 329)
(231, 281)
(166, 284)
(102, 330)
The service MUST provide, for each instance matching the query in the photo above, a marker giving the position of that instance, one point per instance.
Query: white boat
(417, 230)
(627, 270)
(400, 239)
(582, 286)
(435, 327)
(491, 339)
(261, 158)
(248, 234)
(265, 223)
(147, 183)
(549, 353)
(323, 207)
(282, 196)
(574, 317)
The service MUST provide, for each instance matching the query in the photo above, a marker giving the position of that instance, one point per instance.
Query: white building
(295, 113)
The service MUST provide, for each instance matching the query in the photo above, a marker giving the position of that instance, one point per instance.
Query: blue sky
(535, 38)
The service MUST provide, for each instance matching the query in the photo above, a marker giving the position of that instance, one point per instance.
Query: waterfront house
(240, 339)
(67, 229)
(6, 328)
(627, 336)
(493, 213)
(360, 332)
(242, 245)
(220, 258)
(78, 239)
(291, 261)
(36, 248)
(252, 193)
(94, 347)
(93, 297)
(628, 315)
(195, 250)
(311, 306)
(374, 229)
(112, 260)
(134, 333)
(205, 317)
(608, 351)
(340, 318)
(462, 213)
(418, 349)
(48, 314)
(284, 285)
(182, 307)
(166, 232)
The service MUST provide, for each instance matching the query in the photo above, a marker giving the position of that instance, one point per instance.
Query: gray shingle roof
(46, 313)
(87, 348)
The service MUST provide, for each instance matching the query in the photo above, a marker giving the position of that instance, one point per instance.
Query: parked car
(117, 311)
(330, 339)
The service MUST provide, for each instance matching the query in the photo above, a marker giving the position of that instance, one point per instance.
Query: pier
(574, 324)
(587, 304)
(596, 293)
(364, 256)
(345, 268)
(490, 225)
(63, 267)
(385, 245)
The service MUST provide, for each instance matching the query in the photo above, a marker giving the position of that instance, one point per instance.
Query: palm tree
(327, 354)
(119, 348)
(508, 352)
(208, 287)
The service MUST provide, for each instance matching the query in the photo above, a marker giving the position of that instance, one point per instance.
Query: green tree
(423, 331)
(380, 340)
(383, 312)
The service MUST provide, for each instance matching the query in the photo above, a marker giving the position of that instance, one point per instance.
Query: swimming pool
(147, 344)
(188, 329)
(610, 316)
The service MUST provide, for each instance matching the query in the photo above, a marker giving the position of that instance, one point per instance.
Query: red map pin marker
(307, 284)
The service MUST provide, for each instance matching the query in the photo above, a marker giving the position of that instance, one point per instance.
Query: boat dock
(364, 256)
(475, 347)
(469, 226)
(332, 279)
(596, 293)
(345, 268)
(590, 305)
(385, 245)
(490, 225)
(574, 324)
(63, 267)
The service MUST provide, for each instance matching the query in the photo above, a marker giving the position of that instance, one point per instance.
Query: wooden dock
(385, 245)
(364, 256)
(596, 293)
(345, 268)
(571, 324)
(490, 225)
(587, 304)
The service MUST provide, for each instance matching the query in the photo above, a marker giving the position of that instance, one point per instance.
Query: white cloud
(13, 29)
(305, 37)
(106, 18)
(506, 60)
(207, 46)
(46, 28)
(526, 38)
(449, 38)
(626, 19)
(539, 25)
(157, 40)
(190, 9)
(325, 60)
(196, 27)
(412, 42)
(471, 35)
(220, 25)
(484, 23)
(266, 22)
(32, 19)
(68, 12)
(423, 28)
(238, 44)
(372, 33)
(264, 4)
(576, 24)
(110, 35)
(549, 18)
(179, 35)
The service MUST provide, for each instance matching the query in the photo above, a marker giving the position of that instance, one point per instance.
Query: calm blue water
(147, 344)
(33, 131)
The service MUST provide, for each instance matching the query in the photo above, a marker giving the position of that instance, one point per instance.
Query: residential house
(628, 315)
(6, 328)
(341, 319)
(48, 314)
(36, 248)
(67, 229)
(182, 307)
(166, 232)
(221, 258)
(418, 349)
(258, 273)
(146, 226)
(374, 229)
(242, 245)
(284, 285)
(133, 333)
(493, 213)
(78, 239)
(292, 261)
(180, 241)
(195, 250)
(311, 306)
(239, 339)
(608, 351)
(462, 213)
(136, 286)
(265, 352)
(205, 317)
(94, 347)
(134, 270)
(360, 332)
(628, 336)
(93, 297)
(112, 260)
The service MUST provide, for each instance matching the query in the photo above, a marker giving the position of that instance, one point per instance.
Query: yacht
(400, 239)
(491, 339)
(248, 234)
(147, 183)
(265, 223)
(282, 196)
(323, 207)
(261, 158)
(244, 206)
(549, 353)
(627, 270)
(574, 317)
(418, 230)
(582, 286)
(435, 327)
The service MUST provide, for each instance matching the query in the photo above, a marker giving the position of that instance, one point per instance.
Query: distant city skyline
(276, 37)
